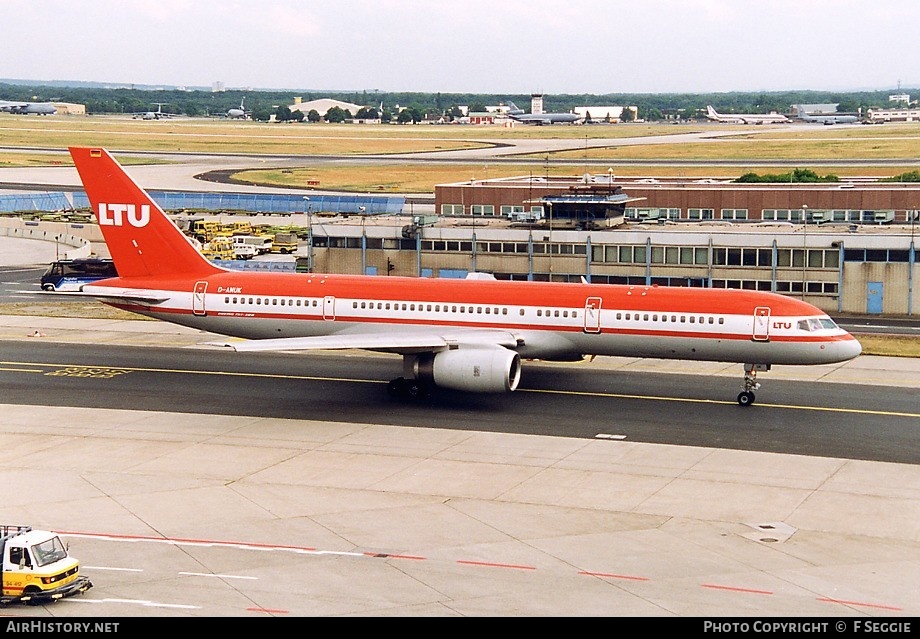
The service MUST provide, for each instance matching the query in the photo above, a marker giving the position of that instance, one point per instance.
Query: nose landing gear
(746, 397)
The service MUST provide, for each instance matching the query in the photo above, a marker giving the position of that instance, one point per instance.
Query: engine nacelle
(473, 369)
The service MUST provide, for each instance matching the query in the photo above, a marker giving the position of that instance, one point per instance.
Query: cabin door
(198, 298)
(329, 307)
(593, 315)
(762, 323)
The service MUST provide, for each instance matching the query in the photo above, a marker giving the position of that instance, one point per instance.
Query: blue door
(874, 298)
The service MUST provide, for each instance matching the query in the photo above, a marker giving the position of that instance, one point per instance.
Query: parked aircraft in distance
(830, 118)
(467, 335)
(240, 113)
(518, 114)
(153, 115)
(746, 118)
(24, 108)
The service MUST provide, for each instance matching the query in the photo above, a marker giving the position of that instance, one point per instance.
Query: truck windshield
(49, 551)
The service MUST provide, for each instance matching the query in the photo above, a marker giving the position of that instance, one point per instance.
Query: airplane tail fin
(142, 240)
(513, 109)
(711, 112)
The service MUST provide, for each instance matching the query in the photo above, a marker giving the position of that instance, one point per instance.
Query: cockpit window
(816, 324)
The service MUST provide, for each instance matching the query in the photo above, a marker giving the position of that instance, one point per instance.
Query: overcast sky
(469, 46)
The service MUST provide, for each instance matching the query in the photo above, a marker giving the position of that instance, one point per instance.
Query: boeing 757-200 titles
(468, 335)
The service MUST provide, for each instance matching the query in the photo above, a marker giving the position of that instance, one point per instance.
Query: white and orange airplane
(468, 335)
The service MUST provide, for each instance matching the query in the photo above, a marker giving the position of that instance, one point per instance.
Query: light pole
(804, 247)
(307, 211)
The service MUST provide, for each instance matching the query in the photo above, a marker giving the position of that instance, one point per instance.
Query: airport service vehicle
(467, 335)
(262, 244)
(219, 248)
(72, 275)
(244, 251)
(285, 243)
(36, 567)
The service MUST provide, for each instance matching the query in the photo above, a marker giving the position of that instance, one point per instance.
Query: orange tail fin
(142, 240)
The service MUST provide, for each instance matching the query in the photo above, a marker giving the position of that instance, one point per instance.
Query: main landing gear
(403, 388)
(746, 397)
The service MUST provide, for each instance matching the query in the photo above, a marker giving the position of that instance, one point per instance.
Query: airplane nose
(849, 349)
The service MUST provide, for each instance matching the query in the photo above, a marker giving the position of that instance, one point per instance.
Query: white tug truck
(36, 567)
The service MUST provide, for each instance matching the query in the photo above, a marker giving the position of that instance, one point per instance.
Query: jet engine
(473, 369)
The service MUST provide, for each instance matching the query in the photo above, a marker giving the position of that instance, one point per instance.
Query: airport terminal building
(856, 254)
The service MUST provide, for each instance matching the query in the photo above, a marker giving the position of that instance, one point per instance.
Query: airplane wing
(389, 342)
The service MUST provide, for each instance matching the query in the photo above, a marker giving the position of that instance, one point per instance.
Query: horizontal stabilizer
(123, 296)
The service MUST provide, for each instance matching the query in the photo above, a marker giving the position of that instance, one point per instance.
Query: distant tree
(335, 114)
(366, 113)
(910, 176)
(477, 107)
(261, 113)
(386, 117)
(797, 175)
(313, 116)
(654, 114)
(297, 116)
(627, 115)
(404, 117)
(847, 106)
(282, 113)
(454, 113)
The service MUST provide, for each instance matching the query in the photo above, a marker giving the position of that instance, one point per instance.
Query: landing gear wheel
(397, 387)
(407, 389)
(746, 398)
